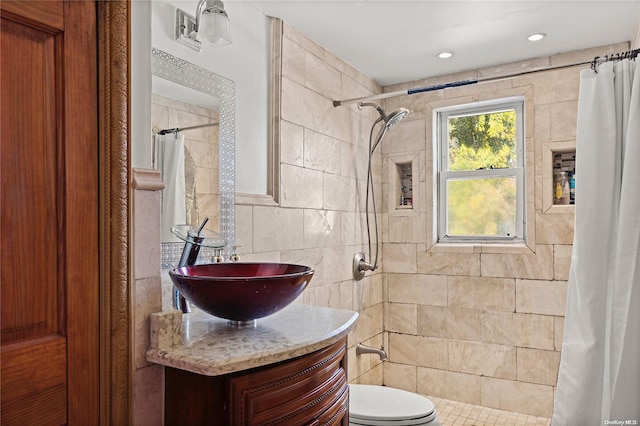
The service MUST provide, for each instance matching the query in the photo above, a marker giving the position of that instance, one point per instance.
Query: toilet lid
(369, 402)
(425, 421)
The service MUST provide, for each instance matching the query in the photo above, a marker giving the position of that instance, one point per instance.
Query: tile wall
(476, 324)
(319, 221)
(483, 324)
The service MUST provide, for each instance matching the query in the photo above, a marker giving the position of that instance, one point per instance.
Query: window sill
(498, 248)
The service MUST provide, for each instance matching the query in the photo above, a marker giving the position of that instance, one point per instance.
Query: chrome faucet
(363, 349)
(189, 256)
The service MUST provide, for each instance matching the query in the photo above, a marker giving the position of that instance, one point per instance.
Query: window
(481, 172)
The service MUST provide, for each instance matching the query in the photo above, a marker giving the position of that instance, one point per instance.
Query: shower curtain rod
(594, 63)
(180, 129)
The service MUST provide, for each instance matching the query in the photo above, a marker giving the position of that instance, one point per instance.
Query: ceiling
(395, 41)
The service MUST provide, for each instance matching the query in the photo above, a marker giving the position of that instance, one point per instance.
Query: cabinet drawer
(292, 393)
(336, 413)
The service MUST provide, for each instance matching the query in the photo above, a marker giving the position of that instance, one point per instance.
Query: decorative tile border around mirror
(190, 75)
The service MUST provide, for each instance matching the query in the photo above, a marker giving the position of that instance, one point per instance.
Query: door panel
(49, 267)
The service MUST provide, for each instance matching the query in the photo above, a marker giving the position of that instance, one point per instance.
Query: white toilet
(384, 406)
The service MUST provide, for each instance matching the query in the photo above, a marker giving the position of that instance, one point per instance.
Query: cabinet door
(307, 390)
(49, 213)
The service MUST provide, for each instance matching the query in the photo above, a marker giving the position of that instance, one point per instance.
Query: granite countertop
(207, 345)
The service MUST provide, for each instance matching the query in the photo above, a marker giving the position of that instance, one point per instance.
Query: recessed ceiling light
(536, 37)
(445, 55)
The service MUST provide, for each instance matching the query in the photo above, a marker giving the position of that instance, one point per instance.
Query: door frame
(114, 21)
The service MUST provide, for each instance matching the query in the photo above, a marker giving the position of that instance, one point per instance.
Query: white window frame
(442, 116)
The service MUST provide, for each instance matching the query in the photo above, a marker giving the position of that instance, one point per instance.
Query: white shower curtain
(170, 160)
(599, 376)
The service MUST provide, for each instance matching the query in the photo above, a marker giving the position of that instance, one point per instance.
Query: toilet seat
(382, 406)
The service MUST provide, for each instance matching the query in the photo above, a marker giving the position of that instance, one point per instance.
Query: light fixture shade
(214, 28)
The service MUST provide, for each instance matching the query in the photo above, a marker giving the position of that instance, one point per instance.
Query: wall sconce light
(210, 26)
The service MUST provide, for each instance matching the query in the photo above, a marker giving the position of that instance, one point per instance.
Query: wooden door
(49, 268)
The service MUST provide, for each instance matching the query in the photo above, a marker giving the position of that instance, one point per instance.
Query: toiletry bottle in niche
(557, 193)
(564, 177)
(572, 188)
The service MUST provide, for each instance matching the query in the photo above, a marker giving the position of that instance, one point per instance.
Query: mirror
(189, 91)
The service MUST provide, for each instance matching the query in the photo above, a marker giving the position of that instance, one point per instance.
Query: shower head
(390, 120)
(396, 117)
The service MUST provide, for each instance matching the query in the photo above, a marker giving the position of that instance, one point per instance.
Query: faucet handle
(234, 256)
(217, 256)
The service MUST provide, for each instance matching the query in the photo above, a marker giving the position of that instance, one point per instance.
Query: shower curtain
(599, 376)
(170, 161)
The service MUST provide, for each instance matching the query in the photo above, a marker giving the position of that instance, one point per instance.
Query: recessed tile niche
(559, 162)
(403, 181)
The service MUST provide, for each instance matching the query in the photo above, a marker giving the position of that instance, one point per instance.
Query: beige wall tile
(368, 291)
(375, 376)
(461, 292)
(418, 288)
(524, 330)
(553, 87)
(347, 228)
(291, 144)
(146, 230)
(295, 185)
(313, 258)
(464, 324)
(277, 229)
(346, 295)
(400, 376)
(409, 137)
(558, 332)
(482, 359)
(522, 397)
(541, 297)
(432, 321)
(322, 152)
(303, 106)
(370, 322)
(338, 192)
(321, 228)
(418, 350)
(563, 117)
(148, 299)
(244, 229)
(401, 318)
(338, 263)
(405, 229)
(399, 258)
(449, 385)
(554, 228)
(494, 294)
(449, 263)
(561, 262)
(533, 331)
(147, 399)
(293, 61)
(321, 77)
(538, 366)
(534, 266)
(542, 127)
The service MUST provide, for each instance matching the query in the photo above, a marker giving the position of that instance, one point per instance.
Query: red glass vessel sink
(241, 292)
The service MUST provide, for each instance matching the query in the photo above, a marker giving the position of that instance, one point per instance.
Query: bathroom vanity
(288, 368)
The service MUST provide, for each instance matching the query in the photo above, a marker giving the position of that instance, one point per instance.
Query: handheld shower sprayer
(360, 265)
(390, 120)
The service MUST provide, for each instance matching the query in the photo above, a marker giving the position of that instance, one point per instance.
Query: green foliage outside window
(482, 206)
(482, 141)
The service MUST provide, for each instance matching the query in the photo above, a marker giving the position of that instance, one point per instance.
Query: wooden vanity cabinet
(308, 390)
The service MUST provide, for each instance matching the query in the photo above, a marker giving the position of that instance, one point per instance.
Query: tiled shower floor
(454, 413)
